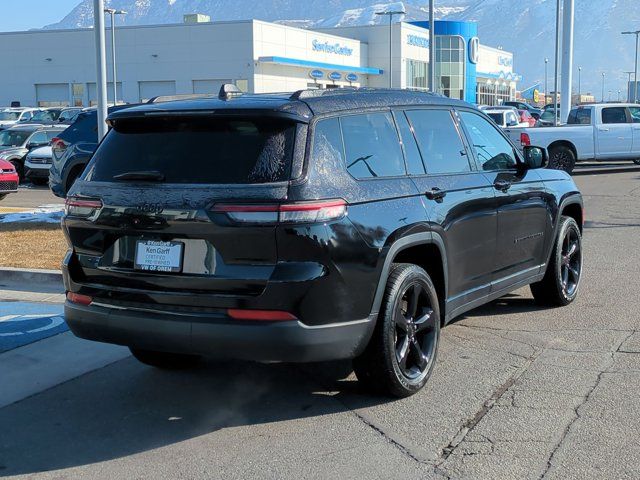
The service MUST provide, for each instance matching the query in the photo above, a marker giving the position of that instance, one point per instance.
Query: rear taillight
(303, 212)
(58, 144)
(260, 315)
(82, 207)
(525, 140)
(79, 299)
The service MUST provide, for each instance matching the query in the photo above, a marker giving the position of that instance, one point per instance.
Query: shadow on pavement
(128, 408)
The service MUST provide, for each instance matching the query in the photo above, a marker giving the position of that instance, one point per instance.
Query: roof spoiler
(229, 91)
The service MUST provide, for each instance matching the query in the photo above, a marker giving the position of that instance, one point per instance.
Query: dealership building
(57, 67)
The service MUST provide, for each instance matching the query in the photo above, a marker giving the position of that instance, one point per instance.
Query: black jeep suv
(309, 227)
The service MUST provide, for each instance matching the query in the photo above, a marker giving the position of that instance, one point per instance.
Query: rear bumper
(219, 336)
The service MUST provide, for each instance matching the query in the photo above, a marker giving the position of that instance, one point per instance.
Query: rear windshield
(219, 150)
(579, 116)
(496, 117)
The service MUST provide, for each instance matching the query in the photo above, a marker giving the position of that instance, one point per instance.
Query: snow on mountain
(523, 27)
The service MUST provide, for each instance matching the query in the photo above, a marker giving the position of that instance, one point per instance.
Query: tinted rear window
(579, 116)
(198, 150)
(496, 117)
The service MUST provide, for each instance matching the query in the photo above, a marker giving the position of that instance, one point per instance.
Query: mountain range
(525, 27)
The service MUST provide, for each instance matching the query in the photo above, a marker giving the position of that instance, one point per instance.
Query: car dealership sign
(335, 48)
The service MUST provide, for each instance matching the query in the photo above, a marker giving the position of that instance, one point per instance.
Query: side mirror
(535, 157)
(32, 145)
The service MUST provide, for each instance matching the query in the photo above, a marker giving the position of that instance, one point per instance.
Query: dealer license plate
(156, 256)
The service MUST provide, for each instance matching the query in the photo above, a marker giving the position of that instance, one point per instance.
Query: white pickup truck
(593, 132)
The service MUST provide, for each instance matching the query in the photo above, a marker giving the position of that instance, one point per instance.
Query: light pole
(101, 66)
(579, 90)
(391, 14)
(113, 12)
(432, 47)
(546, 63)
(602, 97)
(635, 69)
(556, 80)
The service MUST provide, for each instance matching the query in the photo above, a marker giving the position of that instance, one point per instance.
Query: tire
(19, 166)
(636, 161)
(165, 360)
(562, 157)
(3, 196)
(561, 281)
(402, 351)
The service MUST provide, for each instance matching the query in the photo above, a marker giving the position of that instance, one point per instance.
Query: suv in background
(12, 116)
(16, 142)
(55, 116)
(72, 150)
(307, 227)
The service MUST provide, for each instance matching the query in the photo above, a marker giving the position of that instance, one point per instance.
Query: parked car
(37, 164)
(8, 179)
(505, 117)
(526, 118)
(72, 150)
(593, 132)
(303, 229)
(13, 116)
(16, 142)
(54, 116)
(534, 111)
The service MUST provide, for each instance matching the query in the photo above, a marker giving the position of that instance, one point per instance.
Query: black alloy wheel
(415, 333)
(562, 158)
(402, 351)
(571, 262)
(559, 286)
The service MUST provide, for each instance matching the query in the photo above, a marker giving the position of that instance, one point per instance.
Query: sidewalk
(37, 352)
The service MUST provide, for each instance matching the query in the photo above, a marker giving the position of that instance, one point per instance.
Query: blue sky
(27, 14)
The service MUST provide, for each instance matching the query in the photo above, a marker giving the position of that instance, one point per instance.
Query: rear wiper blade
(142, 175)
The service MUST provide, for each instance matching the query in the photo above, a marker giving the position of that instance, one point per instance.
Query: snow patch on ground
(42, 214)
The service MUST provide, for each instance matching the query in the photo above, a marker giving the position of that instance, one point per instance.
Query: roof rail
(229, 91)
(314, 93)
(171, 98)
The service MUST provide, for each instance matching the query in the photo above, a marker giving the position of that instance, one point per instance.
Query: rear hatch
(157, 208)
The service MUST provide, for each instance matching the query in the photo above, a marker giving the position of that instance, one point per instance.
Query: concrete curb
(612, 169)
(31, 275)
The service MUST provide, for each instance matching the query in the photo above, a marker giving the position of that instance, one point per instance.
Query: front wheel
(3, 196)
(562, 157)
(559, 287)
(402, 351)
(165, 360)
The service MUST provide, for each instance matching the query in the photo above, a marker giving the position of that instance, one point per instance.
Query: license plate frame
(168, 257)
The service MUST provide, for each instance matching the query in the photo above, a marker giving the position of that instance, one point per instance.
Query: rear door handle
(603, 129)
(435, 194)
(502, 185)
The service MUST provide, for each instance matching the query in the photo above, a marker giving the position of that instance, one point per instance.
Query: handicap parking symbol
(28, 323)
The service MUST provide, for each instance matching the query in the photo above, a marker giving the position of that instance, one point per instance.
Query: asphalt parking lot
(518, 392)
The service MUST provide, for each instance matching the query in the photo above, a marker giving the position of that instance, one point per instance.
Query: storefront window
(450, 66)
(493, 93)
(417, 74)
